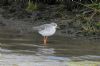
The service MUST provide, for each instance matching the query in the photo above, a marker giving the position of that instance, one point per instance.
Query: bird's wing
(41, 27)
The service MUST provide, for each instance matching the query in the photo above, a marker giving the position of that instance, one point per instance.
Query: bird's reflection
(45, 51)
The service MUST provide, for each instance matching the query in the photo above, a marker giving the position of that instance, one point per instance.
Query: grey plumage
(41, 27)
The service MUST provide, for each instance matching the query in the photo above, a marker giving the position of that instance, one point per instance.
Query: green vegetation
(94, 5)
(98, 25)
(88, 24)
(88, 21)
(31, 6)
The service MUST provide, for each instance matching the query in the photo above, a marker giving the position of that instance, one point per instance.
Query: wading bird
(46, 30)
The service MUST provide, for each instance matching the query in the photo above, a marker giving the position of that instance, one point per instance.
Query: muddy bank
(71, 23)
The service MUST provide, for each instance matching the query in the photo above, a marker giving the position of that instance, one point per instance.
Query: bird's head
(54, 24)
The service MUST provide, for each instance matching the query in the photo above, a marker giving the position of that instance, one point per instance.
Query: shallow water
(28, 50)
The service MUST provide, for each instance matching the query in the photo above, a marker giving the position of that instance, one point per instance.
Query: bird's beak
(58, 27)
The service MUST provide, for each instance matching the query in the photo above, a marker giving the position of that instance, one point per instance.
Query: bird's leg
(45, 40)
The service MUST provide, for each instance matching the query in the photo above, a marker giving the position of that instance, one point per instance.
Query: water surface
(18, 50)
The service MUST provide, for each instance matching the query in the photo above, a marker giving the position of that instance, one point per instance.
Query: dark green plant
(97, 24)
(95, 5)
(87, 25)
(31, 6)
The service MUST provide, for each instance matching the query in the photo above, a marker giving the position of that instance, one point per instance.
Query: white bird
(46, 30)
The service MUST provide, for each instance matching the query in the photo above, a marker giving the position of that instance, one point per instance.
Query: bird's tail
(35, 28)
